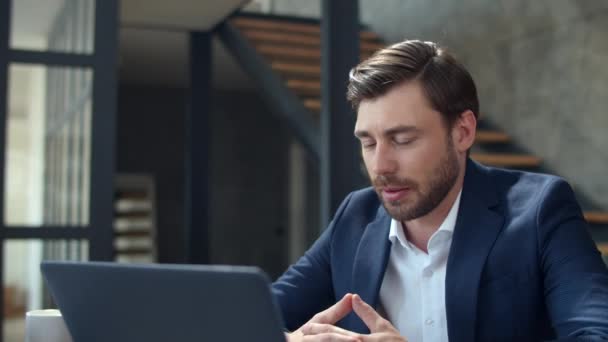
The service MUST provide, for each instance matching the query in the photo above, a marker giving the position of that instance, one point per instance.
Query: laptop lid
(186, 303)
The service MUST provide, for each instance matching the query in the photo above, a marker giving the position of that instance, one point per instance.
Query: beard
(422, 198)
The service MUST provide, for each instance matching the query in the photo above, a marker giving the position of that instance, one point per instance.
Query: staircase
(292, 48)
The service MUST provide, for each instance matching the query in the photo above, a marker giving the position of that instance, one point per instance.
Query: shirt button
(429, 321)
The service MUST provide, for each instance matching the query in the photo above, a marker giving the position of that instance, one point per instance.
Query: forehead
(403, 105)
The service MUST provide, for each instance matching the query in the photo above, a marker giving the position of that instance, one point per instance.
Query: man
(442, 248)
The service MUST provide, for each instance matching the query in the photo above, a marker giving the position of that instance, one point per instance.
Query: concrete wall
(539, 66)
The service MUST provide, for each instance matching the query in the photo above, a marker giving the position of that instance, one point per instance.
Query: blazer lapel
(476, 230)
(370, 262)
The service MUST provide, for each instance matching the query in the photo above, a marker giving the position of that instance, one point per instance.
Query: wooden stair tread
(278, 51)
(596, 217)
(310, 54)
(603, 247)
(297, 68)
(371, 47)
(304, 86)
(506, 160)
(269, 24)
(299, 39)
(279, 37)
(491, 137)
(313, 104)
(307, 28)
(371, 35)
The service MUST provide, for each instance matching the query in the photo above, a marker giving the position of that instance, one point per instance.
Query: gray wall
(539, 66)
(248, 172)
(249, 184)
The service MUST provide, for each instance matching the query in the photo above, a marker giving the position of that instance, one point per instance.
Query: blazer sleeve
(575, 276)
(306, 287)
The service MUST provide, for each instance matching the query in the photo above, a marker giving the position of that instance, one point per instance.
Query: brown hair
(447, 84)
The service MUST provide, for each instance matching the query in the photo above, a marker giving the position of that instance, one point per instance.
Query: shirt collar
(396, 232)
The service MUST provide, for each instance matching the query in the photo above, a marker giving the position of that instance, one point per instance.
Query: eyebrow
(389, 132)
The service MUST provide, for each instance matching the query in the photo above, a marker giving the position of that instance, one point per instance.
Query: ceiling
(200, 15)
(161, 58)
(153, 38)
(154, 41)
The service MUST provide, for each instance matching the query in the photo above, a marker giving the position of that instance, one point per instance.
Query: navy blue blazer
(522, 266)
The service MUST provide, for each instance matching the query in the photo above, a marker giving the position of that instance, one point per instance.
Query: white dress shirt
(412, 295)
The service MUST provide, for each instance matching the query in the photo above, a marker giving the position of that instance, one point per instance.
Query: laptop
(186, 303)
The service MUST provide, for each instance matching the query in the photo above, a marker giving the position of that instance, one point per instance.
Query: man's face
(407, 150)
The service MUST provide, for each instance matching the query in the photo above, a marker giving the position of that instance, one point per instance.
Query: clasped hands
(321, 327)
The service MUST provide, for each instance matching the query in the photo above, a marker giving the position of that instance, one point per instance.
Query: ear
(464, 130)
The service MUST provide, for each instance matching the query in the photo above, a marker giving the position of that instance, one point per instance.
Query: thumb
(368, 315)
(336, 312)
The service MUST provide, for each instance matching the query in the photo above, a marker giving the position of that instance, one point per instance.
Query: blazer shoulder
(358, 209)
(526, 182)
(362, 203)
(525, 191)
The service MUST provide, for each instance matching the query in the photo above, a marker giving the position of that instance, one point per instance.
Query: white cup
(45, 326)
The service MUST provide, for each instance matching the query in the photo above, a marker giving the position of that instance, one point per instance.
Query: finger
(369, 316)
(336, 312)
(295, 336)
(330, 337)
(382, 337)
(317, 329)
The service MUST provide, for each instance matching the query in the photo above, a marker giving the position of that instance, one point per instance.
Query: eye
(403, 140)
(367, 144)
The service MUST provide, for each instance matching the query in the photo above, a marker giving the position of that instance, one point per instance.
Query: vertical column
(5, 10)
(340, 158)
(103, 139)
(197, 150)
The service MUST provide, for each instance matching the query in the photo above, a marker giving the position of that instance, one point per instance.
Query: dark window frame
(103, 63)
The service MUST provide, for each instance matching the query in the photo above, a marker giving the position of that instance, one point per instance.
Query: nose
(383, 160)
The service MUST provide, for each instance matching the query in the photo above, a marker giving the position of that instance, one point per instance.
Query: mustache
(383, 181)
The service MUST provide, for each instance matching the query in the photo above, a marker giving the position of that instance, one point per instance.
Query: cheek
(418, 163)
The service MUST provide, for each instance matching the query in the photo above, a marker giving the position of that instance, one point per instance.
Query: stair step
(297, 69)
(507, 160)
(285, 26)
(281, 38)
(274, 51)
(596, 217)
(304, 87)
(310, 54)
(491, 137)
(371, 35)
(313, 104)
(300, 39)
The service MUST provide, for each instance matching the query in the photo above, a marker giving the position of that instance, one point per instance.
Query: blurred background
(216, 131)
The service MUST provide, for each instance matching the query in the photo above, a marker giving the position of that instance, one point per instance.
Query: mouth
(392, 194)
